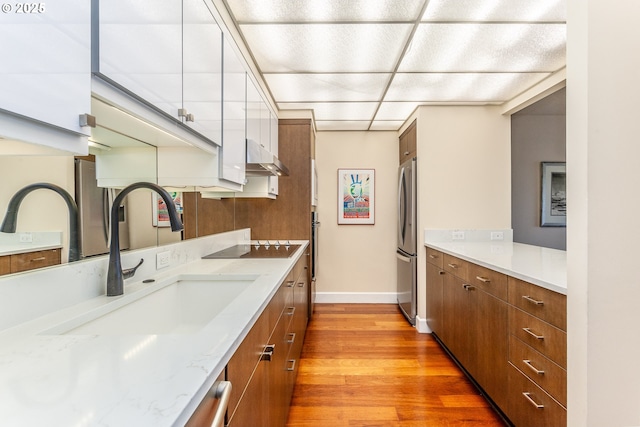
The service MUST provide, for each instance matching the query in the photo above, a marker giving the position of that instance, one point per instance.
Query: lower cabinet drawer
(542, 336)
(32, 260)
(548, 375)
(530, 406)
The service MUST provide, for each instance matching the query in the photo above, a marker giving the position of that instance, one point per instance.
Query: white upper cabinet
(45, 71)
(235, 126)
(140, 49)
(202, 70)
(168, 54)
(254, 111)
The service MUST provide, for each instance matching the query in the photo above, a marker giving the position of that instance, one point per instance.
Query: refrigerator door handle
(402, 211)
(403, 258)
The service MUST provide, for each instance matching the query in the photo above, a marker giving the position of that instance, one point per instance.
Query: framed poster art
(160, 214)
(553, 212)
(356, 196)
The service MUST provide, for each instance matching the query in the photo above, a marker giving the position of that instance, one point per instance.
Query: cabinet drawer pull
(527, 396)
(301, 284)
(483, 279)
(442, 273)
(433, 256)
(221, 390)
(267, 354)
(293, 365)
(533, 301)
(468, 287)
(533, 368)
(453, 265)
(292, 310)
(292, 338)
(290, 283)
(42, 258)
(533, 334)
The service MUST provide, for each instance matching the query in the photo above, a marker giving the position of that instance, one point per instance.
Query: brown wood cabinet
(408, 143)
(263, 369)
(509, 335)
(435, 288)
(26, 261)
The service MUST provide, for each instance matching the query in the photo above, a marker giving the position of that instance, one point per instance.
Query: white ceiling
(367, 64)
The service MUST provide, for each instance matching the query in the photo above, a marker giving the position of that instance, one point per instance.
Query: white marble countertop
(136, 379)
(535, 264)
(10, 243)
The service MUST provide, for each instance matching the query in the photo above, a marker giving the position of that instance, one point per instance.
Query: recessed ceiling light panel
(326, 87)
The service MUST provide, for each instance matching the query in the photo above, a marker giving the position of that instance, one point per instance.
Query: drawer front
(543, 337)
(490, 281)
(456, 266)
(435, 257)
(5, 264)
(32, 260)
(547, 305)
(546, 374)
(524, 399)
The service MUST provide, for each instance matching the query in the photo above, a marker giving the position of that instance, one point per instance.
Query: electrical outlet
(497, 235)
(457, 235)
(26, 237)
(163, 259)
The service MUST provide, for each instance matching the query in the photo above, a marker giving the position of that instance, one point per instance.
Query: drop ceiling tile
(325, 10)
(496, 10)
(486, 47)
(395, 110)
(460, 87)
(323, 125)
(327, 48)
(386, 124)
(336, 110)
(326, 87)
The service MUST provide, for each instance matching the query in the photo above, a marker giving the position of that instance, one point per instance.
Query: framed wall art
(553, 195)
(159, 211)
(356, 196)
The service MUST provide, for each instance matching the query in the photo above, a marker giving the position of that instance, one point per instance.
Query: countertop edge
(537, 272)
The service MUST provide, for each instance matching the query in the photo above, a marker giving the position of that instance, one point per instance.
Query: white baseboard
(421, 325)
(357, 297)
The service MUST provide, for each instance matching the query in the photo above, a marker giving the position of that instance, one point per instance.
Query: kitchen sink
(181, 306)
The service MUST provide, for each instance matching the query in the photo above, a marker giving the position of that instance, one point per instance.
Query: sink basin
(182, 306)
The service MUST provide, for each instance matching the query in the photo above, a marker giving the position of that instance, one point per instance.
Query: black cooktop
(255, 251)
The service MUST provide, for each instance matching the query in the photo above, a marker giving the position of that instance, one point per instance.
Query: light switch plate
(457, 235)
(26, 237)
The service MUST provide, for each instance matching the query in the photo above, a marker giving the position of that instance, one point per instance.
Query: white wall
(464, 174)
(41, 210)
(357, 262)
(602, 175)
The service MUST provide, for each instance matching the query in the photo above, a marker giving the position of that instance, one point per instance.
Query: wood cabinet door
(435, 288)
(459, 320)
(492, 354)
(5, 264)
(408, 143)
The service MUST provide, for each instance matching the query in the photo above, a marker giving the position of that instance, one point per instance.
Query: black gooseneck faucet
(11, 217)
(115, 274)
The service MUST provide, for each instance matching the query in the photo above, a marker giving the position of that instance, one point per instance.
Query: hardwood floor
(363, 365)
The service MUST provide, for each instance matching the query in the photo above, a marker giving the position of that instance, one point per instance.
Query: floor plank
(363, 365)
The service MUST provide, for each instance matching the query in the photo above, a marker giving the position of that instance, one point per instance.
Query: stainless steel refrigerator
(406, 253)
(94, 207)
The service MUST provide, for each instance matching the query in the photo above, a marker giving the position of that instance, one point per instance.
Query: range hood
(261, 162)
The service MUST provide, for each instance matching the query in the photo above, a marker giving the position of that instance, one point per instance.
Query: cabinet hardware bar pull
(452, 265)
(533, 301)
(291, 284)
(292, 339)
(468, 287)
(483, 279)
(38, 259)
(533, 368)
(530, 332)
(266, 356)
(441, 273)
(433, 256)
(293, 310)
(527, 395)
(293, 365)
(221, 390)
(301, 284)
